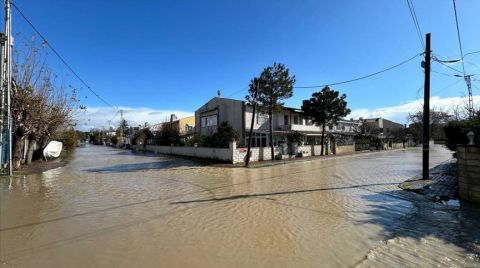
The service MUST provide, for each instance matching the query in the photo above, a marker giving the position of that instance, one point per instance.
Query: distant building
(387, 131)
(381, 127)
(185, 126)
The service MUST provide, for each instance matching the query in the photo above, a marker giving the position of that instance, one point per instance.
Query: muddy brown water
(112, 208)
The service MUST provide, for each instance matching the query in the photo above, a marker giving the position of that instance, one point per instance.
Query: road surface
(113, 208)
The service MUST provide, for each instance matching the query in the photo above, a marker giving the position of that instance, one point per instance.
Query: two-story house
(239, 115)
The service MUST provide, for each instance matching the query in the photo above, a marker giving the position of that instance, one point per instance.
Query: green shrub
(222, 138)
(456, 131)
(114, 140)
(68, 138)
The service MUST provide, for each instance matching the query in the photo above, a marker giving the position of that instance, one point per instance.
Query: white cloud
(97, 117)
(400, 112)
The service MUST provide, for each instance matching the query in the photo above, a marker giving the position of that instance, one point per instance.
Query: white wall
(236, 155)
(223, 154)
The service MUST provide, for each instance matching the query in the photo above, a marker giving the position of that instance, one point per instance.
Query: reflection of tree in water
(429, 234)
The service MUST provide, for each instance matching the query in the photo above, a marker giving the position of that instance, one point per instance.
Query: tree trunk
(270, 120)
(323, 139)
(17, 151)
(31, 146)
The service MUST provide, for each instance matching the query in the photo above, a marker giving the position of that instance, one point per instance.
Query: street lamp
(470, 136)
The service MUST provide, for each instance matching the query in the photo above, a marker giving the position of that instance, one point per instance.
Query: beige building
(185, 126)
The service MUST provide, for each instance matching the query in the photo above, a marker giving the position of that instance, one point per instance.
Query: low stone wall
(345, 149)
(468, 159)
(236, 155)
(398, 145)
(222, 154)
(257, 154)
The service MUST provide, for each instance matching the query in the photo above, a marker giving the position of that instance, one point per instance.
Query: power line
(446, 65)
(458, 35)
(115, 115)
(363, 77)
(445, 74)
(60, 57)
(236, 92)
(451, 85)
(474, 52)
(413, 14)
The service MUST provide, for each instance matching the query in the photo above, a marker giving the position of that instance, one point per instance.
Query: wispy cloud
(400, 112)
(98, 117)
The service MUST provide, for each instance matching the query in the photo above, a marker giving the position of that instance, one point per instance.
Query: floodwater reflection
(111, 207)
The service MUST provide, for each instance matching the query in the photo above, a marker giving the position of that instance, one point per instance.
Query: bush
(222, 138)
(456, 132)
(68, 138)
(295, 137)
(198, 139)
(168, 135)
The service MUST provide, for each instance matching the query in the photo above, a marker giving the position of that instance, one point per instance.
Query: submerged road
(113, 208)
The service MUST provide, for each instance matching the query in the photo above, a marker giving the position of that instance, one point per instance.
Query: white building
(239, 115)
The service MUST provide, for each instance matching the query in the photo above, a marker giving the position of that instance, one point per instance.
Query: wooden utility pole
(247, 160)
(426, 110)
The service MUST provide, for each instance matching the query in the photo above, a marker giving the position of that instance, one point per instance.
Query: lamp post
(470, 136)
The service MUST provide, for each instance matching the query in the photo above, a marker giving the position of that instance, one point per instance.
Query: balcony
(300, 128)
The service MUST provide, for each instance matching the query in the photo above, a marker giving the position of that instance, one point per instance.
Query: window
(295, 120)
(259, 139)
(188, 128)
(301, 120)
(285, 119)
(388, 130)
(208, 121)
(262, 118)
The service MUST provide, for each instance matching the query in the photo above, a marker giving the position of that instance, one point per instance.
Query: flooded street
(112, 208)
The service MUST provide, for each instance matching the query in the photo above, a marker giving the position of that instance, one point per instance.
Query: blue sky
(163, 56)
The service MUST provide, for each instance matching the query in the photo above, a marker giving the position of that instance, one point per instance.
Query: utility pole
(3, 41)
(121, 128)
(426, 110)
(468, 80)
(247, 161)
(8, 80)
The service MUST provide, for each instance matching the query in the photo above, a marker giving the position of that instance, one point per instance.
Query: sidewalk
(442, 184)
(267, 163)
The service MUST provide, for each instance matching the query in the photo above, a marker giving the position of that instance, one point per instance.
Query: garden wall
(222, 154)
(468, 158)
(236, 155)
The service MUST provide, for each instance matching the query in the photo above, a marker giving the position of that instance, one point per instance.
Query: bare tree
(40, 107)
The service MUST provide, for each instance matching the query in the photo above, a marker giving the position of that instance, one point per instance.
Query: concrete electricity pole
(120, 140)
(3, 41)
(426, 110)
(247, 160)
(8, 80)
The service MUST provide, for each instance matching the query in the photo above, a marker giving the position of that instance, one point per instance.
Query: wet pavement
(113, 208)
